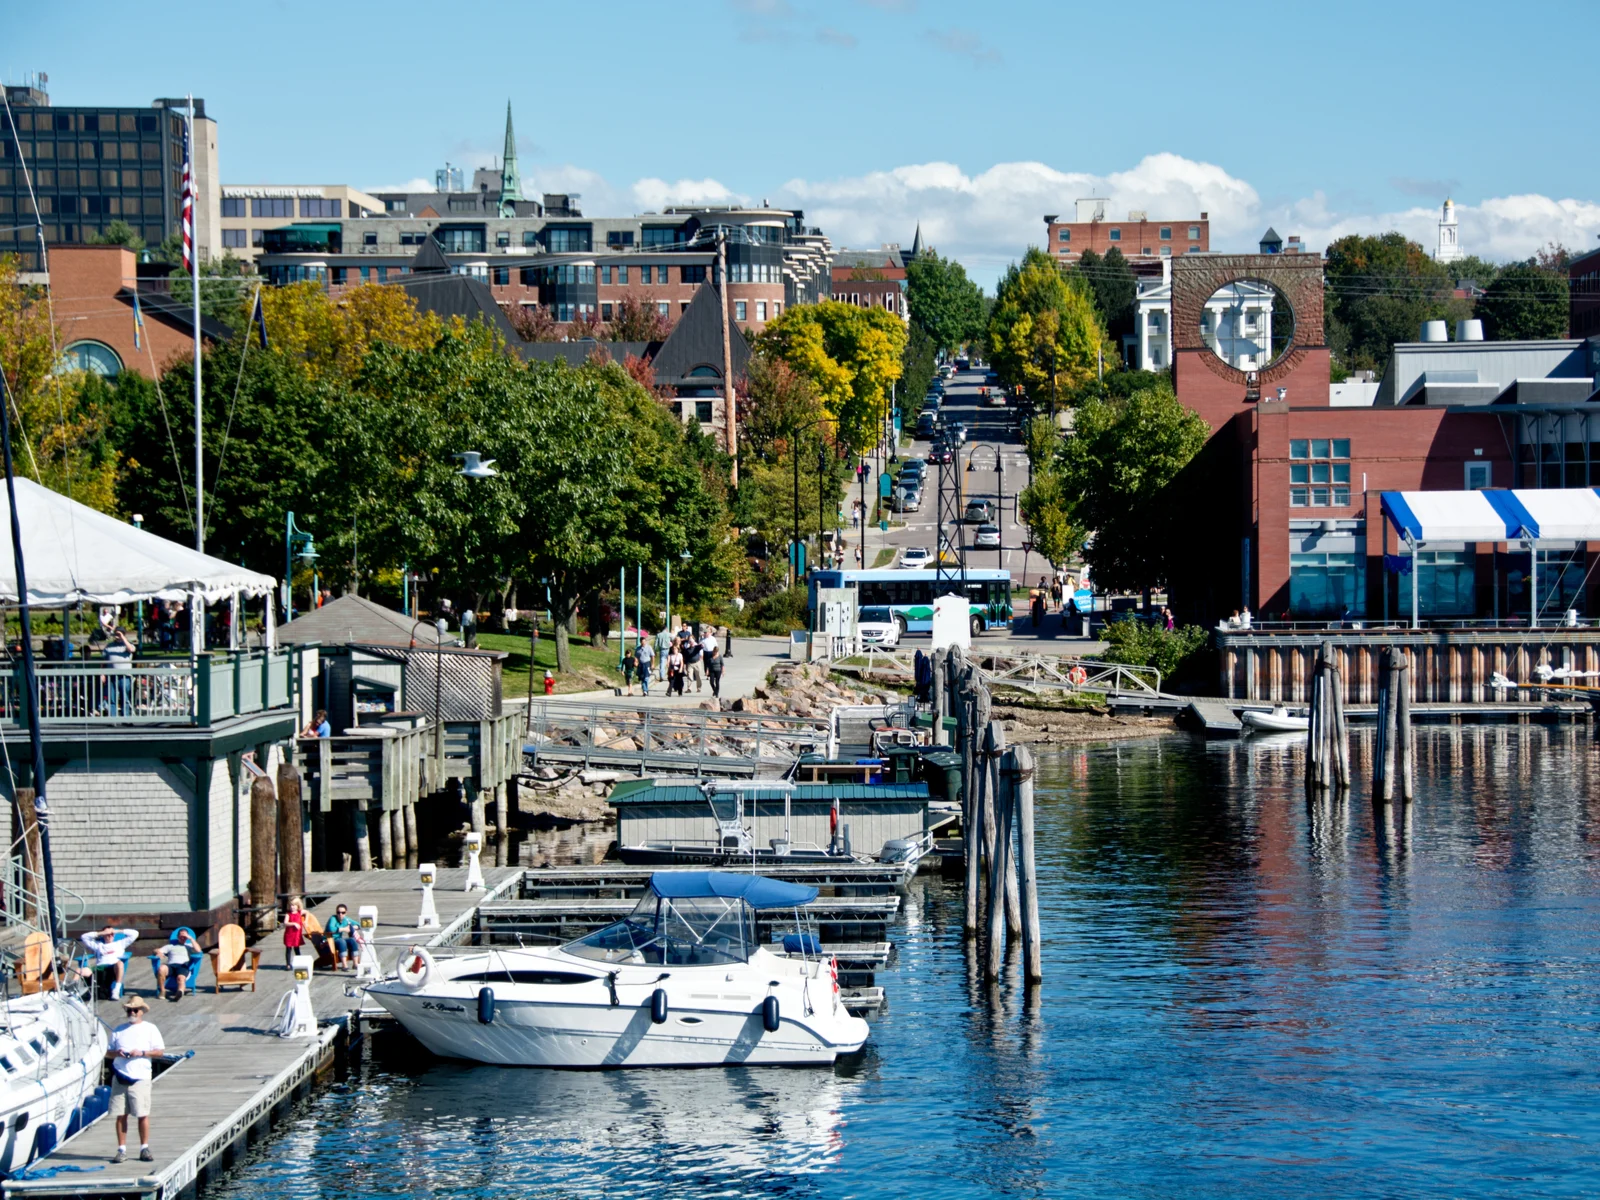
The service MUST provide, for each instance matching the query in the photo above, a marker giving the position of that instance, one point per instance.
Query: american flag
(188, 205)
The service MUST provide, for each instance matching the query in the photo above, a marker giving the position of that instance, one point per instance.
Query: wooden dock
(209, 1109)
(1214, 718)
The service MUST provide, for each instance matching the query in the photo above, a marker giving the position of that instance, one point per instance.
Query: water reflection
(1248, 993)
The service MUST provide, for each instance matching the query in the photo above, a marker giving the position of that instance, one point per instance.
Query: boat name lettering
(454, 1008)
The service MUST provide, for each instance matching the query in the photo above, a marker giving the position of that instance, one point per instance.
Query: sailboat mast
(30, 687)
(190, 225)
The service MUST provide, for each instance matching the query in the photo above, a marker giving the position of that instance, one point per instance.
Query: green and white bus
(909, 595)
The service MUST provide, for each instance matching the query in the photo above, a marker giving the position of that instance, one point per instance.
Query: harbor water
(1246, 995)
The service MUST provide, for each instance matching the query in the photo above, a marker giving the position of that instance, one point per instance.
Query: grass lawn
(885, 557)
(591, 668)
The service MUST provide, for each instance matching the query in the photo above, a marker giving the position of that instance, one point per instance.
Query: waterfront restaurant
(149, 798)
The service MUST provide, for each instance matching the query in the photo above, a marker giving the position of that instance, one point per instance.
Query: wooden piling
(978, 796)
(359, 835)
(264, 852)
(994, 897)
(1021, 761)
(939, 695)
(291, 841)
(410, 821)
(1341, 731)
(475, 813)
(1403, 742)
(501, 820)
(1383, 759)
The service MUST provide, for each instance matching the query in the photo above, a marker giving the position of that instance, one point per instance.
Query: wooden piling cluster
(996, 818)
(1393, 754)
(1327, 741)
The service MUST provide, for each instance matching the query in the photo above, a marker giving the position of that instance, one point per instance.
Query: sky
(974, 119)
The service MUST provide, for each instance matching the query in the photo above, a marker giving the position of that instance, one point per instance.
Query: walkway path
(745, 670)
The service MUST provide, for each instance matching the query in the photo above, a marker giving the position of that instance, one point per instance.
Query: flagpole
(194, 279)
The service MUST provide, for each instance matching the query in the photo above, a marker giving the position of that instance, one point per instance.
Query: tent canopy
(1496, 515)
(74, 554)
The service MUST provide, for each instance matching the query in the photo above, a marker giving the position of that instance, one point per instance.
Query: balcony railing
(153, 691)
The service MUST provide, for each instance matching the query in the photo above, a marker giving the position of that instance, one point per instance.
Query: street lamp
(684, 556)
(296, 543)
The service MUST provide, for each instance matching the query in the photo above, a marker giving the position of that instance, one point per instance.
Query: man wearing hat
(133, 1044)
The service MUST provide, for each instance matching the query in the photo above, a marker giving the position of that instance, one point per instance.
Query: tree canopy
(850, 355)
(1379, 291)
(1111, 282)
(1525, 301)
(944, 303)
(1044, 328)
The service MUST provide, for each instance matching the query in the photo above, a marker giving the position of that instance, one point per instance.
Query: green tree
(1047, 507)
(1525, 301)
(1111, 281)
(118, 233)
(918, 365)
(1044, 333)
(1379, 291)
(944, 303)
(1139, 644)
(850, 355)
(1120, 465)
(227, 288)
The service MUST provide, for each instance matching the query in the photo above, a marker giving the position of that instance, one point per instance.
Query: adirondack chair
(38, 970)
(228, 960)
(190, 974)
(318, 937)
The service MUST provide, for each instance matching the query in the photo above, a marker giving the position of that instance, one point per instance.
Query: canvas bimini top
(755, 890)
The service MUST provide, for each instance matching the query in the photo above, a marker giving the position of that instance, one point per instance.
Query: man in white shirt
(133, 1044)
(108, 945)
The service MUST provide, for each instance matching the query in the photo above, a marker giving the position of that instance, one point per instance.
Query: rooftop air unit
(1435, 331)
(1469, 331)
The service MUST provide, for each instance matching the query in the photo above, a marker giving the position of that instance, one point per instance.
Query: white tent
(75, 554)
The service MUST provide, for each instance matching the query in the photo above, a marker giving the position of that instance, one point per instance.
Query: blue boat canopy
(755, 890)
(1495, 515)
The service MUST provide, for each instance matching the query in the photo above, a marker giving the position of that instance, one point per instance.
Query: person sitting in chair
(175, 959)
(108, 945)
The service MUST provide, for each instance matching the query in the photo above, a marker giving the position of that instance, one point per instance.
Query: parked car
(988, 538)
(906, 498)
(977, 512)
(914, 557)
(912, 469)
(936, 386)
(877, 626)
(946, 371)
(927, 427)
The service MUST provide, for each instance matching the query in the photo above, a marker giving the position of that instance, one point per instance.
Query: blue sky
(873, 114)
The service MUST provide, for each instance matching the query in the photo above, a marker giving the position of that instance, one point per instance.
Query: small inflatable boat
(1279, 720)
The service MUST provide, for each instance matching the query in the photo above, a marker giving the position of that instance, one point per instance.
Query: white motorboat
(1279, 720)
(683, 981)
(51, 1051)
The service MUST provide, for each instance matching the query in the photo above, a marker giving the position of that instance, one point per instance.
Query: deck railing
(164, 691)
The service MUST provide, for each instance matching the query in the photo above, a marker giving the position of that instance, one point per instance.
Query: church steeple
(916, 245)
(510, 181)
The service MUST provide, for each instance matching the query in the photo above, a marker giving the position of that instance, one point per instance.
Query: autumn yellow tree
(1044, 329)
(60, 429)
(330, 337)
(850, 355)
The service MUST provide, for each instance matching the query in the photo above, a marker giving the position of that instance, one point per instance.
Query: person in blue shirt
(319, 727)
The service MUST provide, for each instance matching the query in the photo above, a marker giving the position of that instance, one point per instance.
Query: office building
(90, 166)
(248, 211)
(1139, 238)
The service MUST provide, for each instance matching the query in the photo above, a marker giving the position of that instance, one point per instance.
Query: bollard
(295, 1016)
(428, 918)
(366, 940)
(474, 845)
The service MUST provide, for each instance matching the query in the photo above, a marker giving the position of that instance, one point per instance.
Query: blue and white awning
(1496, 515)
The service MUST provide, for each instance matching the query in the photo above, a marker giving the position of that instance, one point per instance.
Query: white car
(988, 538)
(877, 626)
(915, 558)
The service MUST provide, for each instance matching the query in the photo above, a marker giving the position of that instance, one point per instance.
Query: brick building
(1291, 525)
(249, 210)
(1583, 297)
(103, 329)
(1140, 239)
(873, 278)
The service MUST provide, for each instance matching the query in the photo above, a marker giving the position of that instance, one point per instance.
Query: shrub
(1140, 644)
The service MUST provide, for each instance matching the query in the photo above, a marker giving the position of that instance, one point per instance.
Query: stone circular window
(96, 357)
(1248, 324)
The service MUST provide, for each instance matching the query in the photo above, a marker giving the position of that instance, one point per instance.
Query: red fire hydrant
(549, 683)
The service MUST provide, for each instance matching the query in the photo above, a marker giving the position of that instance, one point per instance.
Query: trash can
(799, 645)
(941, 771)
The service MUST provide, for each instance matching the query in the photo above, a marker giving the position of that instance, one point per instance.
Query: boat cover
(755, 890)
(1496, 514)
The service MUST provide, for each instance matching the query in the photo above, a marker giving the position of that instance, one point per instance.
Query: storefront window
(1326, 585)
(1445, 580)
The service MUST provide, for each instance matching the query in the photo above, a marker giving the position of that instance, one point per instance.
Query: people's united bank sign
(270, 193)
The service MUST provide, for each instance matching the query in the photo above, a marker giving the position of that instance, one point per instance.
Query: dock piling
(1402, 720)
(1020, 761)
(978, 794)
(999, 859)
(291, 839)
(264, 851)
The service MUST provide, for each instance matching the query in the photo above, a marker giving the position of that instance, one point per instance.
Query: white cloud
(655, 194)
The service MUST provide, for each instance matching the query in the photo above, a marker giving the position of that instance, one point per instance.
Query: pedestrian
(294, 930)
(1167, 622)
(118, 652)
(922, 676)
(663, 648)
(1055, 592)
(675, 667)
(133, 1044)
(174, 960)
(342, 935)
(644, 655)
(693, 650)
(627, 674)
(109, 946)
(712, 656)
(469, 628)
(319, 727)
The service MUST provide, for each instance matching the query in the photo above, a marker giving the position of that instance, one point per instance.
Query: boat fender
(485, 1006)
(611, 986)
(658, 1006)
(769, 1014)
(415, 968)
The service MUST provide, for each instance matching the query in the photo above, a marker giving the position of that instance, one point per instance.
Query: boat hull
(1272, 723)
(710, 856)
(593, 1037)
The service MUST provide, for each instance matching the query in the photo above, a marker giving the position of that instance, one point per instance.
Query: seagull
(475, 466)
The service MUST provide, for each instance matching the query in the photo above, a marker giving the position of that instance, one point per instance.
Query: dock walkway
(208, 1109)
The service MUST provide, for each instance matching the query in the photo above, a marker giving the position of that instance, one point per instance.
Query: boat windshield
(702, 931)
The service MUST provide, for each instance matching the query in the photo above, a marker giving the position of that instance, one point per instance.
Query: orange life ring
(1078, 676)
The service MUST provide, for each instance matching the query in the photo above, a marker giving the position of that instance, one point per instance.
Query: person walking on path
(693, 650)
(711, 654)
(675, 668)
(627, 674)
(294, 930)
(342, 935)
(645, 655)
(108, 946)
(663, 648)
(133, 1044)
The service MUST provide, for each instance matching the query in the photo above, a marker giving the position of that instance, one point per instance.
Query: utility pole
(730, 407)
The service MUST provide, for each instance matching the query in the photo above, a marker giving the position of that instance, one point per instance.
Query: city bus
(909, 595)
